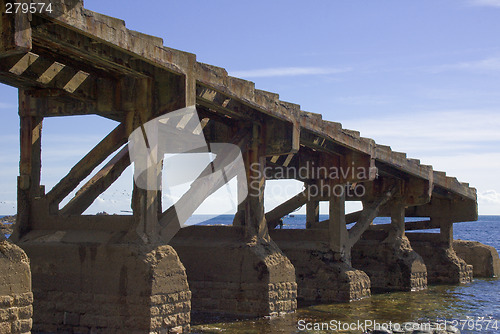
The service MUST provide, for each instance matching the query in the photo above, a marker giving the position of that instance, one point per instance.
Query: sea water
(468, 305)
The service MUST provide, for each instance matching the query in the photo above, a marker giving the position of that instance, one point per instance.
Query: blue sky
(420, 76)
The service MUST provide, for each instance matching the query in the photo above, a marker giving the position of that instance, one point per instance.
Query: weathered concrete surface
(320, 278)
(229, 276)
(483, 258)
(392, 265)
(15, 289)
(92, 285)
(443, 264)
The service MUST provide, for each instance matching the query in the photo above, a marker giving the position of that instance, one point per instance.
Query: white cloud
(489, 197)
(485, 3)
(432, 131)
(288, 71)
(483, 65)
(464, 143)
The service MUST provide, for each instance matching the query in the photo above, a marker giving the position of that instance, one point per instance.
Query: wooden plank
(110, 143)
(273, 216)
(98, 184)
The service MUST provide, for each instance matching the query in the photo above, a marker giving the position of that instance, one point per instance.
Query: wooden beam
(337, 229)
(28, 184)
(280, 137)
(202, 187)
(273, 216)
(409, 226)
(312, 213)
(98, 184)
(16, 32)
(446, 232)
(397, 229)
(454, 210)
(349, 219)
(87, 164)
(369, 213)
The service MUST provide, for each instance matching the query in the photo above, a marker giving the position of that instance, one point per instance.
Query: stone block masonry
(83, 287)
(231, 277)
(320, 278)
(15, 290)
(443, 264)
(391, 265)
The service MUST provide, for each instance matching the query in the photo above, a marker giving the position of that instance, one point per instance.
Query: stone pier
(16, 297)
(321, 277)
(232, 277)
(483, 258)
(86, 285)
(387, 256)
(392, 265)
(443, 264)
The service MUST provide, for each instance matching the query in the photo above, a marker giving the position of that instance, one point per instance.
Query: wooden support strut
(86, 165)
(273, 216)
(409, 226)
(202, 187)
(28, 187)
(98, 184)
(369, 213)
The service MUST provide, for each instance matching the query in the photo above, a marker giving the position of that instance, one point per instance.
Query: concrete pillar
(15, 289)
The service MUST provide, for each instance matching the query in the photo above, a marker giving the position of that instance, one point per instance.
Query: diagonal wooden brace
(98, 184)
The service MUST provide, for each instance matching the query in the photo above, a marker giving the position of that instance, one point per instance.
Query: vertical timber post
(239, 217)
(255, 221)
(312, 210)
(145, 202)
(28, 183)
(337, 228)
(446, 232)
(397, 219)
